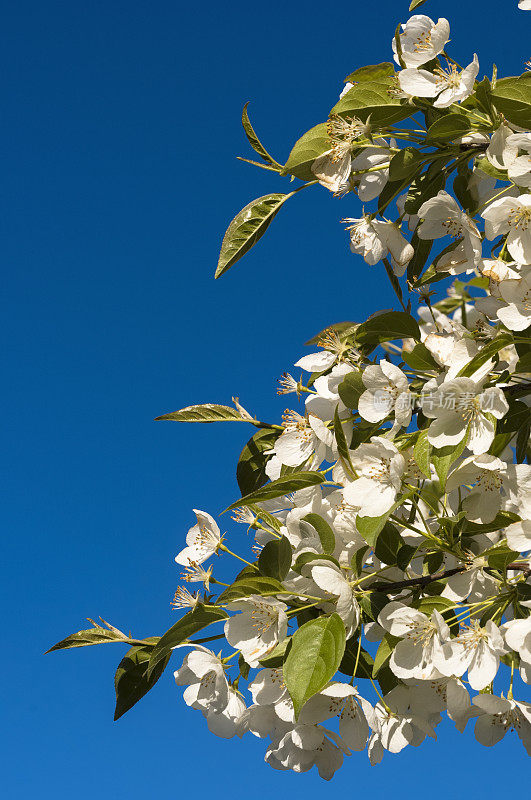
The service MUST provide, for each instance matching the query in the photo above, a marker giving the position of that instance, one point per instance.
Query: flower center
(421, 632)
(423, 42)
(342, 131)
(449, 78)
(519, 218)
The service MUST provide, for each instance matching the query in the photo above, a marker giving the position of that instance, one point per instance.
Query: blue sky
(119, 135)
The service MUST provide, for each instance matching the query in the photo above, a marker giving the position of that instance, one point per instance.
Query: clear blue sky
(120, 126)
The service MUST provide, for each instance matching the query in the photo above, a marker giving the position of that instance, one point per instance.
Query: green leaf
(522, 443)
(442, 458)
(208, 412)
(388, 544)
(324, 531)
(310, 146)
(524, 363)
(512, 96)
(342, 446)
(388, 326)
(405, 556)
(420, 358)
(502, 520)
(338, 327)
(372, 99)
(430, 604)
(517, 417)
(370, 527)
(95, 635)
(425, 186)
(373, 603)
(255, 142)
(351, 388)
(258, 584)
(485, 166)
(280, 487)
(486, 353)
(308, 556)
(449, 127)
(500, 556)
(371, 72)
(383, 654)
(422, 248)
(316, 651)
(276, 657)
(194, 621)
(131, 681)
(275, 559)
(250, 472)
(415, 4)
(422, 453)
(247, 227)
(405, 164)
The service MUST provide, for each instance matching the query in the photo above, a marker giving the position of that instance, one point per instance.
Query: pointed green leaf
(255, 142)
(247, 227)
(371, 72)
(280, 487)
(388, 326)
(310, 146)
(449, 127)
(422, 453)
(316, 651)
(250, 472)
(131, 681)
(373, 99)
(275, 559)
(208, 412)
(194, 621)
(324, 531)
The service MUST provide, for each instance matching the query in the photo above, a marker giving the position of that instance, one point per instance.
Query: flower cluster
(389, 577)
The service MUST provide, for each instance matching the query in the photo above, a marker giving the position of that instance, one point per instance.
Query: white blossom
(422, 40)
(202, 540)
(261, 625)
(447, 86)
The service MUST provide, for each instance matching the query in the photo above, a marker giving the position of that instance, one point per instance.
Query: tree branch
(381, 586)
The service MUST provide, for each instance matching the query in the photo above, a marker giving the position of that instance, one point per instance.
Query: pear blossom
(511, 215)
(406, 718)
(332, 168)
(478, 650)
(420, 653)
(516, 315)
(473, 584)
(203, 674)
(525, 5)
(387, 392)
(379, 466)
(376, 160)
(519, 535)
(332, 579)
(374, 239)
(343, 701)
(447, 86)
(305, 746)
(421, 40)
(459, 406)
(490, 479)
(262, 624)
(517, 635)
(497, 715)
(202, 540)
(225, 724)
(442, 216)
